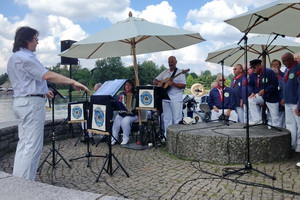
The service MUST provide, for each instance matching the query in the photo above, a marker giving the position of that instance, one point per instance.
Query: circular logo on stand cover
(99, 117)
(146, 98)
(76, 112)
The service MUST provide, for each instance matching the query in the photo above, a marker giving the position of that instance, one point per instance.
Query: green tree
(147, 72)
(190, 80)
(206, 78)
(108, 69)
(3, 78)
(194, 75)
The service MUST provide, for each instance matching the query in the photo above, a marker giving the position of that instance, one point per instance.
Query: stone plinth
(219, 143)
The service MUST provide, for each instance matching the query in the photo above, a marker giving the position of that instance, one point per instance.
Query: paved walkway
(154, 174)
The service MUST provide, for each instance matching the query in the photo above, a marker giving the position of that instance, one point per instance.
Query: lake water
(7, 115)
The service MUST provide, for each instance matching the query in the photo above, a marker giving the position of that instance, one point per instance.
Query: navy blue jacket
(237, 90)
(214, 99)
(290, 88)
(271, 93)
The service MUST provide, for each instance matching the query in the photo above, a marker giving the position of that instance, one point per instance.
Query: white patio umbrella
(234, 54)
(281, 17)
(132, 36)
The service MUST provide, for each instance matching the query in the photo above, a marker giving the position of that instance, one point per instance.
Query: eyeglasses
(35, 39)
(222, 80)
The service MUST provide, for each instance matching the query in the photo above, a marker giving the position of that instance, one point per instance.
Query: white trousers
(30, 111)
(125, 123)
(256, 113)
(245, 115)
(172, 113)
(281, 117)
(215, 115)
(292, 122)
(240, 113)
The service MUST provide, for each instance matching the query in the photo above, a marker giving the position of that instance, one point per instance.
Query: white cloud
(79, 9)
(161, 13)
(59, 20)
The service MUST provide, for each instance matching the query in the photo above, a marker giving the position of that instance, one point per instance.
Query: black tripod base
(88, 156)
(107, 166)
(248, 167)
(53, 151)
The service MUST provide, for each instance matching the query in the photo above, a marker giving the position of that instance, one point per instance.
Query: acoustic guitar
(167, 81)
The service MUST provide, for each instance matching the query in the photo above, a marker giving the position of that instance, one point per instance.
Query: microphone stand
(248, 165)
(53, 150)
(223, 117)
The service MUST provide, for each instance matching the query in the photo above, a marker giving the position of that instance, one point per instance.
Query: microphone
(259, 16)
(277, 34)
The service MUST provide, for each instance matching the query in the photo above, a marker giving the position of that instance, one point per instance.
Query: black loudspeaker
(66, 44)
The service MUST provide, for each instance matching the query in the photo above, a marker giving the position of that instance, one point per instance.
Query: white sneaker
(297, 149)
(298, 164)
(113, 142)
(124, 142)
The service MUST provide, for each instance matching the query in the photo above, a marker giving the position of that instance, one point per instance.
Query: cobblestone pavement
(154, 174)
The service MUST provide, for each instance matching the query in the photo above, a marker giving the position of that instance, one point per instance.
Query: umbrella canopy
(132, 36)
(234, 54)
(281, 17)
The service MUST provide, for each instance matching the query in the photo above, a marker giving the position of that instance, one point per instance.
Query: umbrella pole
(248, 166)
(135, 66)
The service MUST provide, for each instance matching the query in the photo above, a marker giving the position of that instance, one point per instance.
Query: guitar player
(174, 81)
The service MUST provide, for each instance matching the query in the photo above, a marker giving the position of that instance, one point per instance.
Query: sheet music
(110, 87)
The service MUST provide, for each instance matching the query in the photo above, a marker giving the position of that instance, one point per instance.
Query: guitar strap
(174, 72)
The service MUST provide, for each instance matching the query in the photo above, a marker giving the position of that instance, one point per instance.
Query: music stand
(53, 150)
(150, 98)
(77, 113)
(100, 121)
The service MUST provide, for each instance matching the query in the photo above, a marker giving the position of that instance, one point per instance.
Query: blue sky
(59, 20)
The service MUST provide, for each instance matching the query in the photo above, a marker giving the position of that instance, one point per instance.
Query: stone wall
(9, 134)
(218, 143)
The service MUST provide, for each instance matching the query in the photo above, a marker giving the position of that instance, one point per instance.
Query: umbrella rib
(258, 23)
(165, 42)
(95, 50)
(143, 38)
(221, 53)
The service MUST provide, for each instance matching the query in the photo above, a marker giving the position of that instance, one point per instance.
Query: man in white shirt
(29, 81)
(172, 109)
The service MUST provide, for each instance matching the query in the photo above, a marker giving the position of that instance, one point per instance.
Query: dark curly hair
(131, 83)
(23, 35)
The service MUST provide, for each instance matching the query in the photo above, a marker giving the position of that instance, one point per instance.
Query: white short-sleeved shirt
(25, 73)
(174, 93)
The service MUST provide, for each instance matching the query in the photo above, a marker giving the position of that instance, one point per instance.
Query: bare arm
(157, 82)
(60, 79)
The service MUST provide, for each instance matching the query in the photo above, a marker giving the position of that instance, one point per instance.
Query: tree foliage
(3, 78)
(113, 68)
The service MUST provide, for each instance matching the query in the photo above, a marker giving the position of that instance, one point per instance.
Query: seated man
(263, 91)
(222, 103)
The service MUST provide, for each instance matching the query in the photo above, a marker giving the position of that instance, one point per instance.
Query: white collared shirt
(25, 73)
(174, 93)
